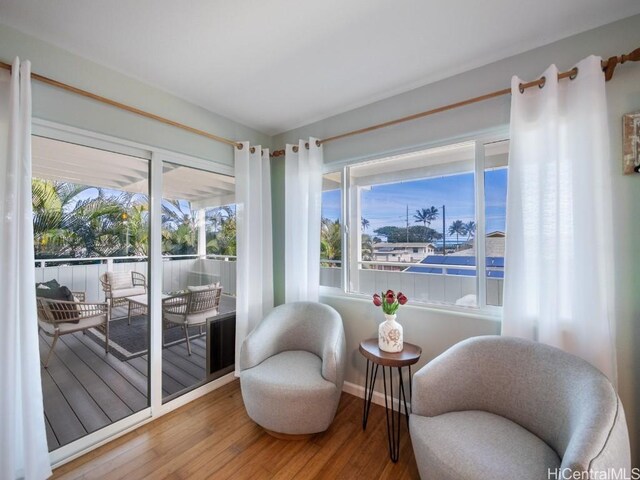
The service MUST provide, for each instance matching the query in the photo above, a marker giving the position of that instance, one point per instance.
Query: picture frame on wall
(631, 142)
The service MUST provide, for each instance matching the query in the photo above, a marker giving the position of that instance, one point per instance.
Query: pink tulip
(377, 301)
(402, 299)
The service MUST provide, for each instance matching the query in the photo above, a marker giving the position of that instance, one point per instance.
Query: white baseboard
(378, 397)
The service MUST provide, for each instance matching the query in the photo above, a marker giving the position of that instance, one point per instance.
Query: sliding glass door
(136, 283)
(91, 240)
(198, 277)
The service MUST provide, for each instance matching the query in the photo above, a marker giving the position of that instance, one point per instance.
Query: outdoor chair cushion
(202, 288)
(289, 386)
(120, 280)
(80, 324)
(493, 447)
(128, 292)
(192, 319)
(50, 291)
(48, 284)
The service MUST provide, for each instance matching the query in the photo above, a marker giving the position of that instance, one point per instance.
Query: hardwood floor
(214, 438)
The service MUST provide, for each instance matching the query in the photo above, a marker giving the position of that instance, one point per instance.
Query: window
(495, 194)
(331, 231)
(412, 221)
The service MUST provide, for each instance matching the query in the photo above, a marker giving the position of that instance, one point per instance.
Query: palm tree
(426, 216)
(51, 203)
(367, 248)
(365, 224)
(330, 240)
(471, 229)
(458, 228)
(223, 241)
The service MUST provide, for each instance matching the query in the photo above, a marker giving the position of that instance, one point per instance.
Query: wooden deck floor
(214, 438)
(84, 389)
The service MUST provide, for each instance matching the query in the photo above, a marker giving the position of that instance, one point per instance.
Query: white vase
(390, 335)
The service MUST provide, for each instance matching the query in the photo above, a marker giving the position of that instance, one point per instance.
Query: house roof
(494, 247)
(81, 165)
(493, 263)
(401, 245)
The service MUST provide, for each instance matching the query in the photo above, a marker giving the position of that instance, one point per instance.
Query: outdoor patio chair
(58, 317)
(191, 308)
(117, 286)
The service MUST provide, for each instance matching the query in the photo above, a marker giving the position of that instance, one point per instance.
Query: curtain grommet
(252, 149)
(521, 88)
(574, 73)
(318, 143)
(239, 146)
(542, 83)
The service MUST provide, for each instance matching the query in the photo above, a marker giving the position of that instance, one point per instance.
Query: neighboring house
(494, 246)
(401, 252)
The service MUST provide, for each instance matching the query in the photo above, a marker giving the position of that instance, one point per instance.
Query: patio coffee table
(139, 303)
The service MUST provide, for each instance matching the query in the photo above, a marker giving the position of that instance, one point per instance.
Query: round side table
(409, 355)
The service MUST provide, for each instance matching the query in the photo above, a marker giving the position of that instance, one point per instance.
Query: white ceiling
(279, 64)
(67, 162)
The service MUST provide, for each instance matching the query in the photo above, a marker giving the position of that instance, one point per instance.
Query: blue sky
(387, 204)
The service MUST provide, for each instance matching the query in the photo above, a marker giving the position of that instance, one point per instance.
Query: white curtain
(303, 195)
(23, 438)
(558, 279)
(254, 280)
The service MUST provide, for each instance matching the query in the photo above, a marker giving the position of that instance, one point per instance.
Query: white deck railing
(424, 287)
(178, 272)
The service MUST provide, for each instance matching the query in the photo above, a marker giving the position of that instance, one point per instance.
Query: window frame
(351, 209)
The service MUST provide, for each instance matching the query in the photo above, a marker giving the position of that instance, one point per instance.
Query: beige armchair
(58, 317)
(191, 309)
(502, 407)
(117, 286)
(292, 369)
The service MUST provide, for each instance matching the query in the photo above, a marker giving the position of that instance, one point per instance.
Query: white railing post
(109, 264)
(202, 233)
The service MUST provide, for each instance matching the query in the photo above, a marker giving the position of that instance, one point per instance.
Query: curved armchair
(58, 317)
(119, 285)
(502, 407)
(292, 369)
(191, 309)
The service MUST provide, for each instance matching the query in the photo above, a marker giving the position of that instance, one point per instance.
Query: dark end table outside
(409, 355)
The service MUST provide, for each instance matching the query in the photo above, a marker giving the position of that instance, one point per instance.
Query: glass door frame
(156, 157)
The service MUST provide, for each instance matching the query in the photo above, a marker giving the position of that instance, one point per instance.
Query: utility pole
(407, 223)
(444, 242)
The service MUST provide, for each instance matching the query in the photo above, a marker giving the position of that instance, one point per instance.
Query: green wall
(51, 103)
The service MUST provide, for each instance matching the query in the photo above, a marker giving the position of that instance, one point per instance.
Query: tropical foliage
(413, 234)
(80, 221)
(330, 240)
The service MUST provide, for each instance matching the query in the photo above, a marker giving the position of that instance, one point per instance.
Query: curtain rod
(608, 67)
(128, 108)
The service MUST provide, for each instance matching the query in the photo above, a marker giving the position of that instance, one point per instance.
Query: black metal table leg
(402, 394)
(369, 384)
(376, 357)
(394, 417)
